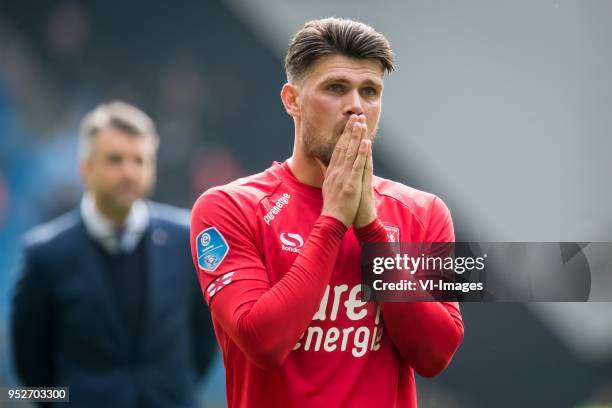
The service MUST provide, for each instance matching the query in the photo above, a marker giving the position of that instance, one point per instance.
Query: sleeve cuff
(373, 232)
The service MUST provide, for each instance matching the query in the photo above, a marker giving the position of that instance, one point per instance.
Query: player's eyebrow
(344, 80)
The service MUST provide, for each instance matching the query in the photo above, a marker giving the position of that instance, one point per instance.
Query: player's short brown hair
(331, 36)
(119, 115)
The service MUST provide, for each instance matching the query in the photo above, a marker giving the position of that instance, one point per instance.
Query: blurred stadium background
(500, 108)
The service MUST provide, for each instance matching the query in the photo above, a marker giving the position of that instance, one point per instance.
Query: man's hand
(366, 213)
(345, 174)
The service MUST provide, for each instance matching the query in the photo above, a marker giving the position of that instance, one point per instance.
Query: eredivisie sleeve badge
(211, 248)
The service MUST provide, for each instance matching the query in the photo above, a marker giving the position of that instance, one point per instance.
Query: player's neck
(306, 169)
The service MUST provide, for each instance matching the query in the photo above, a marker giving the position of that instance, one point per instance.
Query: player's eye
(369, 91)
(336, 88)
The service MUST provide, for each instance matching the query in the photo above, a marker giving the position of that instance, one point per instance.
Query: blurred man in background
(106, 302)
(278, 253)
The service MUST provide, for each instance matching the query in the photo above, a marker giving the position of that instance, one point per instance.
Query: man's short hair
(119, 115)
(331, 36)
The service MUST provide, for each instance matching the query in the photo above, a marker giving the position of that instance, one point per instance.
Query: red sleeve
(426, 334)
(264, 321)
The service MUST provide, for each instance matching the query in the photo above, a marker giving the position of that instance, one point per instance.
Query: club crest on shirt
(393, 233)
(211, 248)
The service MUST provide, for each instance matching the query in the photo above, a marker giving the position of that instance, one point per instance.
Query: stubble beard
(318, 146)
(322, 147)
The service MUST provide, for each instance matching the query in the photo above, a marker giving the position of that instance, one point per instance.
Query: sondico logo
(291, 242)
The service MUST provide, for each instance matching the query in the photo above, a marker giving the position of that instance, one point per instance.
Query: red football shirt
(283, 286)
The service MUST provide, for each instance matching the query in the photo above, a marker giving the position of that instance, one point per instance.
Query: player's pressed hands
(366, 213)
(344, 175)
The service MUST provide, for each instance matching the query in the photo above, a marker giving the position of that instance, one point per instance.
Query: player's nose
(353, 103)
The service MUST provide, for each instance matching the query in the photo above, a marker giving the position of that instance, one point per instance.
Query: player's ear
(290, 97)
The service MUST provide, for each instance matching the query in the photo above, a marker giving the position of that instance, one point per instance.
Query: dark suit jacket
(67, 329)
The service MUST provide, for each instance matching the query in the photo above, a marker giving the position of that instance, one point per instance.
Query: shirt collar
(104, 231)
